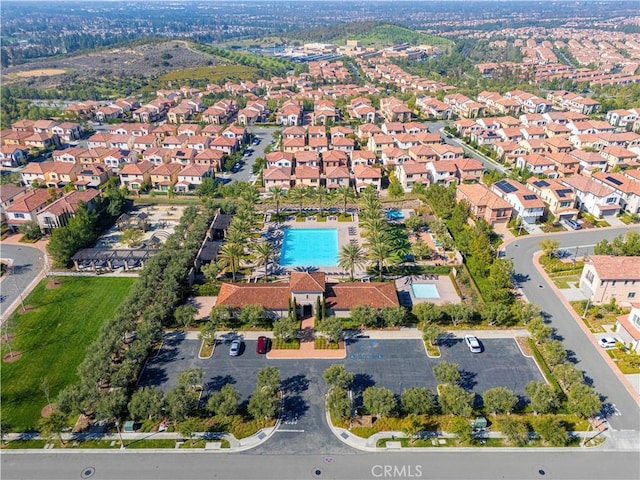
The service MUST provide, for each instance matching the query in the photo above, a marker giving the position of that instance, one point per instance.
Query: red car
(262, 345)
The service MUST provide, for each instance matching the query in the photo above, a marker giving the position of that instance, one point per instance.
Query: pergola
(97, 259)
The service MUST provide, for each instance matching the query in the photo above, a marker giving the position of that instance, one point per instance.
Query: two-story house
(484, 203)
(526, 205)
(607, 277)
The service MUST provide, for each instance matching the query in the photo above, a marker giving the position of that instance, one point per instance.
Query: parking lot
(395, 364)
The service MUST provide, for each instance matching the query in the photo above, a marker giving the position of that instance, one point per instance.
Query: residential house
(606, 277)
(224, 144)
(157, 155)
(182, 156)
(394, 110)
(135, 175)
(277, 177)
(620, 157)
(469, 170)
(306, 158)
(526, 205)
(628, 328)
(537, 164)
(191, 176)
(593, 197)
(484, 203)
(293, 145)
(324, 113)
(628, 189)
(318, 144)
(363, 157)
(290, 113)
(379, 142)
(25, 207)
(57, 213)
(423, 153)
(334, 158)
(68, 131)
(366, 176)
(307, 176)
(448, 152)
(8, 194)
(279, 159)
(12, 156)
(410, 173)
(336, 177)
(565, 164)
(589, 161)
(392, 156)
(559, 199)
(622, 118)
(212, 158)
(444, 171)
(50, 174)
(367, 130)
(164, 176)
(92, 177)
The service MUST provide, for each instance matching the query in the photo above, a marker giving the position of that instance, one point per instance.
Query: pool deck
(443, 283)
(347, 232)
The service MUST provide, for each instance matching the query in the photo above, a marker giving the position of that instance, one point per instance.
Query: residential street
(620, 407)
(27, 265)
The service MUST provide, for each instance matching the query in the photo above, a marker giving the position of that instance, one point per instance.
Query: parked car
(473, 343)
(608, 342)
(573, 224)
(236, 345)
(236, 168)
(263, 345)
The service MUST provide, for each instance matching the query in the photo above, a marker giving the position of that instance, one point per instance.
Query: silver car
(234, 351)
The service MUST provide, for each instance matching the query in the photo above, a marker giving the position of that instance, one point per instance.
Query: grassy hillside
(372, 34)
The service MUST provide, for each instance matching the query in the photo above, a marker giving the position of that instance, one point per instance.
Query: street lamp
(120, 434)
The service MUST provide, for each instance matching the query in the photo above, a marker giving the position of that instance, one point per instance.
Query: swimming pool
(309, 247)
(424, 290)
(395, 215)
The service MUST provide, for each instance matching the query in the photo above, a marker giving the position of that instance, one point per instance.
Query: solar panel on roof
(506, 187)
(530, 197)
(541, 183)
(562, 193)
(613, 180)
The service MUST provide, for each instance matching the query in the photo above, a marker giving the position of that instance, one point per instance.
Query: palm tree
(251, 195)
(277, 193)
(351, 256)
(345, 193)
(298, 195)
(321, 195)
(230, 255)
(378, 250)
(264, 251)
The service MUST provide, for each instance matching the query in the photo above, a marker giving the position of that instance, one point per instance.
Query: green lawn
(53, 338)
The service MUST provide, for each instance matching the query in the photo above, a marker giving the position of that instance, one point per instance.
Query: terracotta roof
(610, 267)
(272, 296)
(30, 201)
(345, 296)
(69, 203)
(307, 282)
(277, 173)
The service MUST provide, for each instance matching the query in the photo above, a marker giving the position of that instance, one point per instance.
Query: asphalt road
(579, 464)
(245, 174)
(438, 126)
(619, 406)
(27, 264)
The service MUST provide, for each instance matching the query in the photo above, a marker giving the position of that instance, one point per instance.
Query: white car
(473, 344)
(608, 342)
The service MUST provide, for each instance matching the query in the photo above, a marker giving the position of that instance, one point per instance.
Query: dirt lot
(41, 72)
(141, 60)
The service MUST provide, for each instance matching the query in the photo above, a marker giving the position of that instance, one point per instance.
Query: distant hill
(371, 34)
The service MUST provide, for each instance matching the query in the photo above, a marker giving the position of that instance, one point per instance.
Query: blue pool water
(424, 290)
(309, 247)
(395, 215)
